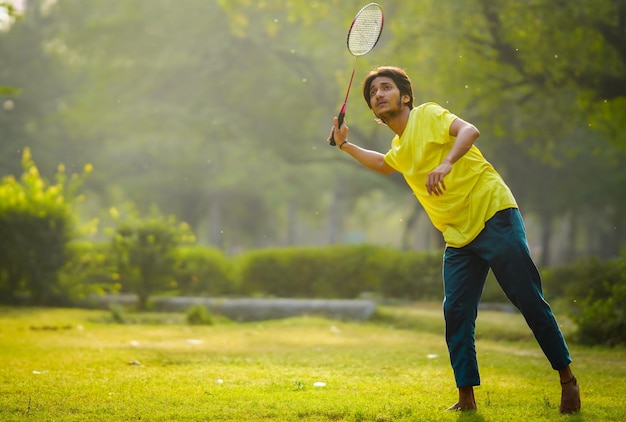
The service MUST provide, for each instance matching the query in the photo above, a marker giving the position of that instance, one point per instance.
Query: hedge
(346, 271)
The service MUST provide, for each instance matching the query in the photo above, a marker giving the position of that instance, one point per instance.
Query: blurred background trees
(206, 120)
(217, 112)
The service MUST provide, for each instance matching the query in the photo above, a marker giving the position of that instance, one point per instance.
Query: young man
(468, 201)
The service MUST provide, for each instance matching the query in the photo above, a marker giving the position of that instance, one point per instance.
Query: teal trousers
(501, 246)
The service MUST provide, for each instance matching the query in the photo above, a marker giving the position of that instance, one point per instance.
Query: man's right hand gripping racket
(362, 37)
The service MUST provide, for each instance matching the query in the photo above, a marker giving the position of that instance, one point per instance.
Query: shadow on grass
(471, 416)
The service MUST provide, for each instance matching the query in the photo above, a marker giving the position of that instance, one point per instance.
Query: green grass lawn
(75, 365)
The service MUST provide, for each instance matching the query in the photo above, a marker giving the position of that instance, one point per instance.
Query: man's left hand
(434, 183)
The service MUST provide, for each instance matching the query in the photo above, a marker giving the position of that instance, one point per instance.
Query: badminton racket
(363, 35)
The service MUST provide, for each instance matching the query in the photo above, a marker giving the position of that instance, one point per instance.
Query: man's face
(385, 98)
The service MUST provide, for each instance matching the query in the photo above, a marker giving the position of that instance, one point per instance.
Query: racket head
(365, 30)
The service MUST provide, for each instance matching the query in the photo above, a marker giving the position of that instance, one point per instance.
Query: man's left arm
(466, 134)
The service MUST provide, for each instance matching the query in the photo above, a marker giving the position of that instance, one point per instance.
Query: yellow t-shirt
(475, 191)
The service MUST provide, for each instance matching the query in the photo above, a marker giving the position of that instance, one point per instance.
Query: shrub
(414, 276)
(331, 272)
(274, 272)
(144, 253)
(118, 313)
(597, 293)
(603, 321)
(91, 270)
(345, 271)
(199, 315)
(203, 271)
(36, 226)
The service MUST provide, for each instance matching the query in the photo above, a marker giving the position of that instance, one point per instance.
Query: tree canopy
(217, 111)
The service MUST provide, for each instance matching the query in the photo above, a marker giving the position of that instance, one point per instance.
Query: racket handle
(340, 118)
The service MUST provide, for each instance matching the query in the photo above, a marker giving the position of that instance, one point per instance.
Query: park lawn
(75, 365)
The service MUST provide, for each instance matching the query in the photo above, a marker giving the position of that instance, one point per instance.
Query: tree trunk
(570, 247)
(334, 218)
(546, 236)
(291, 224)
(216, 237)
(409, 228)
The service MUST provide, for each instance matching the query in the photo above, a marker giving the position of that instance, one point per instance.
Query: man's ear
(406, 98)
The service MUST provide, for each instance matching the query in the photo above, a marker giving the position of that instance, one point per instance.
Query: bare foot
(466, 400)
(463, 406)
(570, 397)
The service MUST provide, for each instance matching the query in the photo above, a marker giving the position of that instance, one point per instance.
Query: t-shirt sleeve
(438, 119)
(429, 123)
(390, 159)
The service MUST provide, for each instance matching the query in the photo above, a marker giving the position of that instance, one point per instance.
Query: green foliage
(199, 315)
(37, 224)
(171, 119)
(7, 90)
(587, 278)
(413, 275)
(118, 313)
(144, 254)
(203, 271)
(603, 321)
(91, 270)
(340, 272)
(597, 290)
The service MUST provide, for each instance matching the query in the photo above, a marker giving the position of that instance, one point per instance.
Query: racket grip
(340, 118)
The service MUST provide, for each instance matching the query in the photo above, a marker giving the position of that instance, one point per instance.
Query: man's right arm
(373, 160)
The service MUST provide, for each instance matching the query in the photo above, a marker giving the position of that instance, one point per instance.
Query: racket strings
(365, 31)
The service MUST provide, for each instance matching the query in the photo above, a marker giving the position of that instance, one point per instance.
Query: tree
(144, 250)
(180, 111)
(28, 107)
(547, 68)
(37, 226)
(217, 111)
